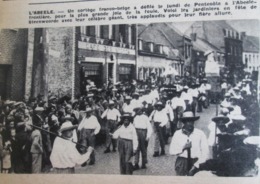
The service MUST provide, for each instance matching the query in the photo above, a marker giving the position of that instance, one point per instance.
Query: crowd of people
(40, 136)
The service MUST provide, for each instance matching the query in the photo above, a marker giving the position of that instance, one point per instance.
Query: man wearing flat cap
(190, 145)
(65, 156)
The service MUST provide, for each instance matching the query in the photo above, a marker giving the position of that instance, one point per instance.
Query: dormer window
(140, 44)
(151, 46)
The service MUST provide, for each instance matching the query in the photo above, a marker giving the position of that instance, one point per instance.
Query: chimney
(193, 36)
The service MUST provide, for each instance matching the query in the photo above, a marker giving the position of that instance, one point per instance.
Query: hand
(46, 126)
(92, 134)
(193, 171)
(187, 146)
(90, 149)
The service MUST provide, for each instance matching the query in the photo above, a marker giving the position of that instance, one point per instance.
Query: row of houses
(60, 60)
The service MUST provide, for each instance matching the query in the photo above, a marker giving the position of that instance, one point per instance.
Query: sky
(251, 27)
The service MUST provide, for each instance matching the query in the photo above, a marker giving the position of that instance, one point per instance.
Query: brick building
(106, 52)
(226, 39)
(155, 52)
(251, 55)
(13, 53)
(200, 47)
(60, 60)
(50, 62)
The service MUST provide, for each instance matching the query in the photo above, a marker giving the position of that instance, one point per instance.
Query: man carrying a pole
(190, 145)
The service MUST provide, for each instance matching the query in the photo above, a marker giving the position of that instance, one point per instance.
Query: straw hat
(252, 140)
(111, 102)
(88, 109)
(220, 119)
(237, 117)
(39, 109)
(9, 102)
(67, 126)
(128, 98)
(188, 116)
(127, 116)
(159, 103)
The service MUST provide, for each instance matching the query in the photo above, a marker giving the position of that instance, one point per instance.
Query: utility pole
(45, 69)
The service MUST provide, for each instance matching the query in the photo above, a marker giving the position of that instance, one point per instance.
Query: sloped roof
(152, 34)
(156, 33)
(203, 45)
(251, 44)
(211, 31)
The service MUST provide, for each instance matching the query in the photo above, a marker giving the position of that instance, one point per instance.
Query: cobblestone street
(158, 166)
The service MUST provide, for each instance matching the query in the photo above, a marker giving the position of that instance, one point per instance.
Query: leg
(128, 156)
(91, 139)
(137, 156)
(161, 139)
(121, 151)
(108, 138)
(114, 141)
(36, 163)
(156, 143)
(181, 166)
(143, 148)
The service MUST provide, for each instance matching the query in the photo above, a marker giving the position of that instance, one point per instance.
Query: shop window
(122, 33)
(104, 31)
(91, 31)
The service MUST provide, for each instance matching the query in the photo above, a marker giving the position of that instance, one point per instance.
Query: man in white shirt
(88, 128)
(226, 102)
(64, 156)
(224, 87)
(236, 108)
(194, 92)
(135, 102)
(112, 116)
(154, 94)
(187, 97)
(127, 144)
(190, 145)
(178, 106)
(160, 119)
(144, 130)
(127, 107)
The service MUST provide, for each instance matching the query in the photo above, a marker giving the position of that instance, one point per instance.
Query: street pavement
(158, 166)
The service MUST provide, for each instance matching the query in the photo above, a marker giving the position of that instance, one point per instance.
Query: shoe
(84, 164)
(107, 151)
(114, 149)
(162, 152)
(143, 166)
(156, 154)
(91, 163)
(136, 167)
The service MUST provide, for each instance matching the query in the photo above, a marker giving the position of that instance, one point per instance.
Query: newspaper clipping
(110, 88)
